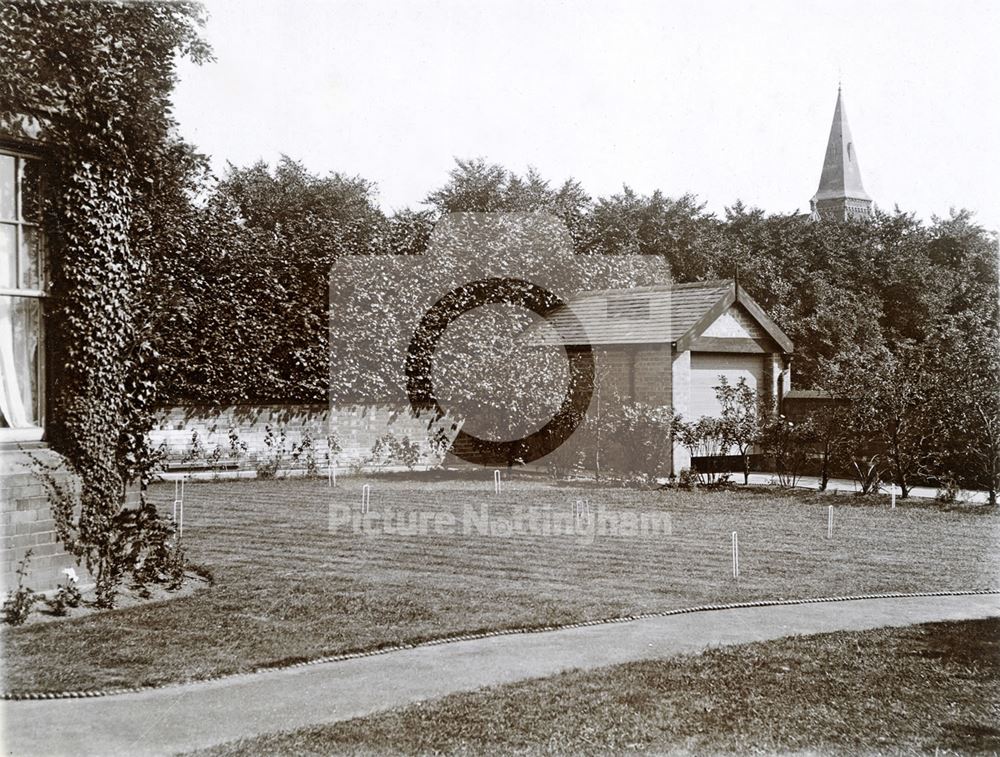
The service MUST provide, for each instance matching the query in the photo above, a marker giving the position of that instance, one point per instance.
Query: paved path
(184, 717)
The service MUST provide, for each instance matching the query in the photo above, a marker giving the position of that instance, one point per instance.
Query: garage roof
(675, 314)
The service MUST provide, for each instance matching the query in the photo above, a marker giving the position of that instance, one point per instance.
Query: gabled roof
(675, 315)
(841, 177)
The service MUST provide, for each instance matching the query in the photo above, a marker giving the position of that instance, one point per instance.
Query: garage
(706, 367)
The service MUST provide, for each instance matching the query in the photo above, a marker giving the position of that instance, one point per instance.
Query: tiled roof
(659, 314)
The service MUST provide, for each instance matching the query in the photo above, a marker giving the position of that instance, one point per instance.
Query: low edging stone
(13, 696)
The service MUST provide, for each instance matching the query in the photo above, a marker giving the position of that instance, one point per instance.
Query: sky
(727, 100)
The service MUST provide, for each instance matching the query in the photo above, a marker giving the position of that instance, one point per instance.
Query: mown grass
(286, 588)
(923, 689)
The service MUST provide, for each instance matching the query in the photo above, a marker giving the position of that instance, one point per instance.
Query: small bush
(687, 479)
(706, 438)
(390, 449)
(195, 450)
(789, 445)
(173, 567)
(237, 447)
(868, 473)
(268, 466)
(67, 595)
(948, 492)
(20, 600)
(305, 451)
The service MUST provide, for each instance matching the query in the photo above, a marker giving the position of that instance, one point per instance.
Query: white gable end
(735, 323)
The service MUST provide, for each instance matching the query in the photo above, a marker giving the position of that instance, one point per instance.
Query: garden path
(189, 716)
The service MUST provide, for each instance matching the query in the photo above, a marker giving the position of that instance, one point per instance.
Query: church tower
(841, 195)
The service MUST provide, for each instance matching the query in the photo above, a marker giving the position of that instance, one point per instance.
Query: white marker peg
(736, 555)
(497, 483)
(366, 498)
(829, 522)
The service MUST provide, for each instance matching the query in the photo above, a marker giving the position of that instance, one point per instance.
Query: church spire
(841, 195)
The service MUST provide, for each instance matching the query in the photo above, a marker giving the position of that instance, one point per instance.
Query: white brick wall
(356, 428)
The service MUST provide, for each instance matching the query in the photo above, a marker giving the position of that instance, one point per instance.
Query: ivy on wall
(92, 82)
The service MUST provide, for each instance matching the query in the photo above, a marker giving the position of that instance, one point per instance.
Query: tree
(789, 444)
(676, 230)
(970, 409)
(248, 295)
(831, 435)
(703, 438)
(740, 419)
(475, 186)
(893, 411)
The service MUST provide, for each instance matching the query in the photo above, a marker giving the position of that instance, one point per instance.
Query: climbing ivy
(91, 82)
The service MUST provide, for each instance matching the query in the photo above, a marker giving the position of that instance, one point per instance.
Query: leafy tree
(892, 408)
(677, 230)
(789, 444)
(831, 436)
(740, 418)
(704, 438)
(251, 291)
(475, 186)
(969, 408)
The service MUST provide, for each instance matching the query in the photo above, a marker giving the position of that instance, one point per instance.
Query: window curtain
(18, 361)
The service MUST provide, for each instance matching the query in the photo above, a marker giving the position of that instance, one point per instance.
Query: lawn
(917, 690)
(286, 588)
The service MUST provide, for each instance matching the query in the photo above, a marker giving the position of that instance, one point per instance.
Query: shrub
(790, 445)
(390, 449)
(687, 479)
(174, 563)
(626, 440)
(67, 595)
(20, 600)
(237, 447)
(740, 424)
(948, 491)
(306, 449)
(868, 473)
(648, 434)
(195, 449)
(704, 438)
(268, 466)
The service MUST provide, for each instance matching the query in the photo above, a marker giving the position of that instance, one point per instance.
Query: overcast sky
(728, 100)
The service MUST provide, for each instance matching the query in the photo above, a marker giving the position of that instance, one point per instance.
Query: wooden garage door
(706, 367)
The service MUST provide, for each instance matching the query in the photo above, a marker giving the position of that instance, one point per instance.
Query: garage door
(706, 367)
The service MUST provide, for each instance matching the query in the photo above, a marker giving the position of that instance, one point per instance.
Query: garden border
(35, 695)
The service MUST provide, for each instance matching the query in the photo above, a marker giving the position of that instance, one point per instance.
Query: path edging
(36, 695)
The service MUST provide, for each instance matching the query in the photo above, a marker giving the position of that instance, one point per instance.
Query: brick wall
(203, 437)
(653, 374)
(680, 371)
(637, 372)
(26, 522)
